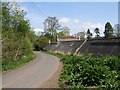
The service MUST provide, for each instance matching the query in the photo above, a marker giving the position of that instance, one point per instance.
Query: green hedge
(87, 71)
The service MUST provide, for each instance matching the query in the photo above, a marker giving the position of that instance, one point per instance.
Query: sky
(78, 16)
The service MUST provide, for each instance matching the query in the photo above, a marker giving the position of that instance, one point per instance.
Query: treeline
(17, 36)
(53, 32)
(109, 32)
(54, 29)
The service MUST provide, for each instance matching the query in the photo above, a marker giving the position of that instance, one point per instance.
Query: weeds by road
(12, 64)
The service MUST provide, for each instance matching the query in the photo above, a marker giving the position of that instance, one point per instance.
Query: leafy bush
(86, 71)
(27, 47)
(41, 43)
(89, 72)
(15, 33)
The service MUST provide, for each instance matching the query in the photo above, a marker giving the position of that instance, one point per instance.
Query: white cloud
(38, 30)
(64, 20)
(76, 25)
(90, 25)
(77, 21)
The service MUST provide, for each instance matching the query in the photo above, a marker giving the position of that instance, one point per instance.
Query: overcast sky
(78, 16)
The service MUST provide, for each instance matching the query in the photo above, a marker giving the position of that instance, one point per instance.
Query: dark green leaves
(86, 71)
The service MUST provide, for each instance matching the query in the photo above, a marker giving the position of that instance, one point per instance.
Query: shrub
(87, 71)
(41, 43)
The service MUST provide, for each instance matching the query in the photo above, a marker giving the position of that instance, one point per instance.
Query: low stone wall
(96, 47)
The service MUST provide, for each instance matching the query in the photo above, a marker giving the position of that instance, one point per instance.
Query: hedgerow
(87, 71)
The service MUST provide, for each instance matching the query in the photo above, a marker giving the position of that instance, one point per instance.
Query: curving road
(32, 75)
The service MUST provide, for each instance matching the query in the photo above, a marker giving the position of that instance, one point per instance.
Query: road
(33, 74)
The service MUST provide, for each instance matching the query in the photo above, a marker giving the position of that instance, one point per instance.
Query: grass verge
(12, 64)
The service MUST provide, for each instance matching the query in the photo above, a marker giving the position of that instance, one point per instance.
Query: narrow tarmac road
(32, 75)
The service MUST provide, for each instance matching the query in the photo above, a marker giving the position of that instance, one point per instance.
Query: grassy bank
(87, 71)
(13, 64)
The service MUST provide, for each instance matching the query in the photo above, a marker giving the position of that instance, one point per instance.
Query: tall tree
(81, 35)
(97, 31)
(15, 29)
(51, 26)
(108, 30)
(66, 31)
(61, 35)
(89, 34)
